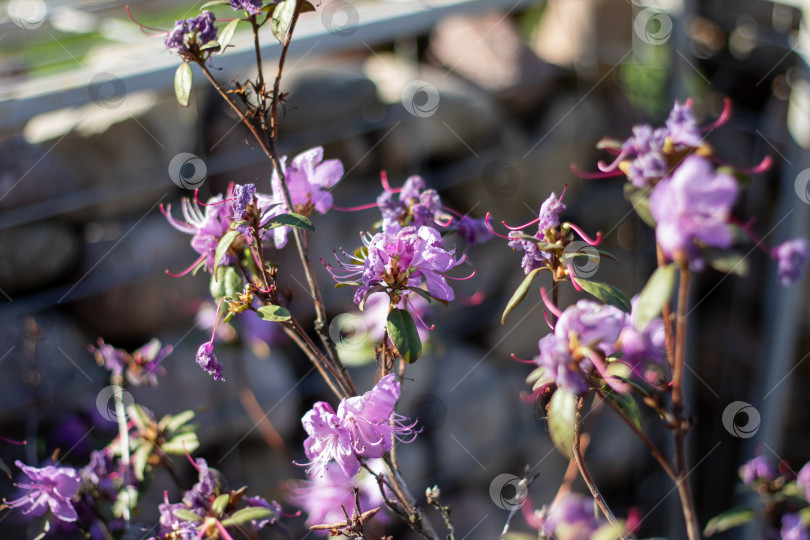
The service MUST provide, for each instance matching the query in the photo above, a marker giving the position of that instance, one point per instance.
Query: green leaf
(140, 416)
(222, 248)
(562, 420)
(140, 458)
(252, 513)
(226, 34)
(172, 423)
(210, 45)
(307, 7)
(282, 18)
(127, 499)
(639, 198)
(181, 444)
(403, 334)
(655, 295)
(225, 282)
(606, 293)
(273, 313)
(626, 404)
(290, 220)
(187, 515)
(220, 504)
(182, 83)
(728, 520)
(520, 293)
(608, 531)
(728, 262)
(214, 3)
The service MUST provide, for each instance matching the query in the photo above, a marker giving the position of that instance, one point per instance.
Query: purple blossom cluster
(189, 35)
(364, 427)
(141, 367)
(253, 7)
(548, 218)
(572, 518)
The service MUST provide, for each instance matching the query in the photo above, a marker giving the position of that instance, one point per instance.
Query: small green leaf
(140, 458)
(222, 248)
(225, 282)
(520, 293)
(181, 444)
(728, 520)
(290, 220)
(655, 295)
(608, 531)
(562, 420)
(182, 83)
(187, 515)
(606, 293)
(172, 423)
(728, 262)
(210, 45)
(214, 3)
(626, 404)
(403, 334)
(252, 513)
(220, 504)
(273, 313)
(140, 416)
(226, 34)
(639, 199)
(282, 18)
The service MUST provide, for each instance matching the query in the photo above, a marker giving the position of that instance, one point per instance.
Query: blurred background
(491, 101)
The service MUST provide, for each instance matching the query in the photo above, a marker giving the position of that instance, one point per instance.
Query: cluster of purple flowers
(253, 7)
(573, 518)
(587, 333)
(189, 35)
(141, 367)
(548, 218)
(363, 427)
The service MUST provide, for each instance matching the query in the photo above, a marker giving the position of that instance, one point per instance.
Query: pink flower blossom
(51, 488)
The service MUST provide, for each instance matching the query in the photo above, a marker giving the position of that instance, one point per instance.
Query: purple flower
(759, 469)
(791, 256)
(322, 496)
(328, 441)
(364, 426)
(204, 25)
(110, 358)
(693, 206)
(649, 163)
(803, 480)
(258, 525)
(49, 488)
(243, 196)
(682, 128)
(474, 231)
(571, 518)
(595, 325)
(175, 40)
(559, 366)
(548, 218)
(413, 205)
(402, 259)
(208, 360)
(793, 528)
(309, 179)
(371, 420)
(207, 227)
(254, 7)
(375, 311)
(170, 524)
(206, 488)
